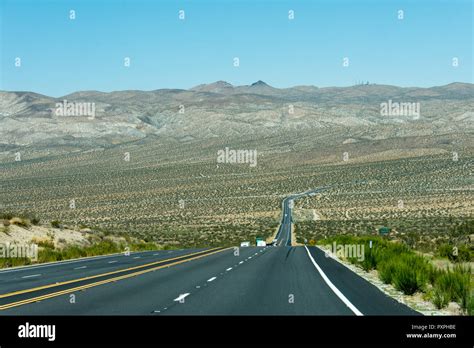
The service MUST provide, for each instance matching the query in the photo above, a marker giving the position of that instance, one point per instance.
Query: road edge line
(333, 287)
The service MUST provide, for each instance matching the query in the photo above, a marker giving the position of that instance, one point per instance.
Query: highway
(284, 231)
(271, 280)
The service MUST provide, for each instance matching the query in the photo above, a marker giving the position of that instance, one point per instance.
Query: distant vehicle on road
(244, 244)
(261, 242)
(274, 242)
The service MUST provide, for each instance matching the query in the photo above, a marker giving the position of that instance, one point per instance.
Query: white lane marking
(180, 297)
(156, 254)
(136, 257)
(198, 286)
(228, 269)
(250, 257)
(31, 276)
(333, 287)
(241, 262)
(211, 279)
(113, 261)
(81, 267)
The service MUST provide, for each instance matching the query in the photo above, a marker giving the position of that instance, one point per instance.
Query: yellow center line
(19, 292)
(78, 288)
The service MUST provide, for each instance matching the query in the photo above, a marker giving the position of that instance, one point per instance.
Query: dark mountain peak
(259, 83)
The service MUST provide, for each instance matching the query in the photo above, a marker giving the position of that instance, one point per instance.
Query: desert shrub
(56, 224)
(103, 247)
(411, 273)
(74, 252)
(470, 305)
(20, 222)
(14, 261)
(462, 253)
(370, 260)
(453, 285)
(45, 243)
(440, 298)
(386, 270)
(143, 246)
(405, 279)
(49, 255)
(6, 216)
(6, 223)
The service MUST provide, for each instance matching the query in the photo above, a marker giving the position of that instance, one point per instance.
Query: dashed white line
(211, 279)
(113, 261)
(31, 276)
(81, 267)
(156, 254)
(241, 262)
(181, 297)
(228, 269)
(137, 257)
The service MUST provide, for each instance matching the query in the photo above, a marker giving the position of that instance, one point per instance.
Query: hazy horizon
(233, 85)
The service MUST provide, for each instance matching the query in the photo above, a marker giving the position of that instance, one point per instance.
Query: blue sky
(60, 55)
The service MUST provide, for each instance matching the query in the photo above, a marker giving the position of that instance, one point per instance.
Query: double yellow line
(181, 259)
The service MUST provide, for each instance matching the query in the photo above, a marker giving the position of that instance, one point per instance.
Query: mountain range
(221, 110)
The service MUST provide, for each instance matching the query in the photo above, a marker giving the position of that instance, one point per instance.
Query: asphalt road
(272, 280)
(284, 231)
